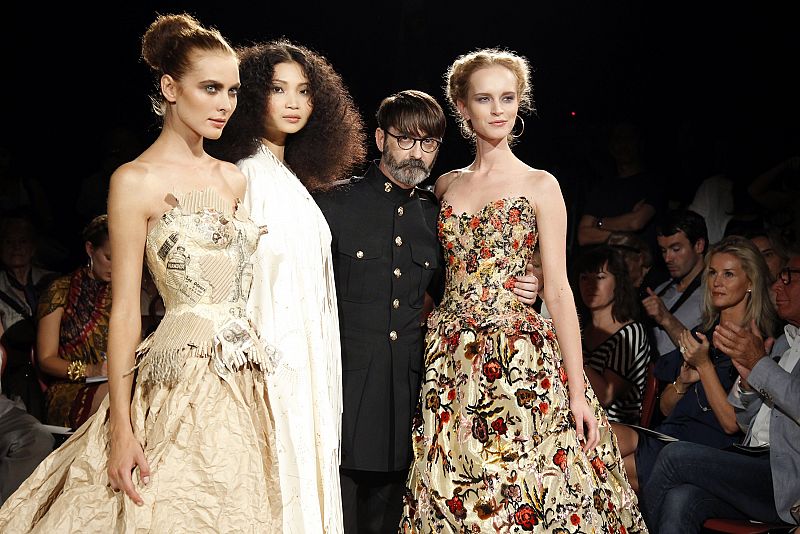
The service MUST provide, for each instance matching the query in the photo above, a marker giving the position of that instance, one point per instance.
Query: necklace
(697, 397)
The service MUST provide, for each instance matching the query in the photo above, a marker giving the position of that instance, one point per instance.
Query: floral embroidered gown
(495, 447)
(199, 406)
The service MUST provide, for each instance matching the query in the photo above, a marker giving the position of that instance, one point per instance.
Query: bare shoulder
(542, 183)
(137, 185)
(444, 181)
(134, 180)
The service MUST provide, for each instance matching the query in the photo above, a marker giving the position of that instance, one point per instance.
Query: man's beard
(410, 172)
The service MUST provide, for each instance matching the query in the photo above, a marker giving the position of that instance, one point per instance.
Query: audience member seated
(73, 332)
(691, 482)
(676, 304)
(21, 284)
(24, 443)
(700, 374)
(616, 348)
(627, 202)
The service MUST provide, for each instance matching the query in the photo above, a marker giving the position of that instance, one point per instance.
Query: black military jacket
(385, 253)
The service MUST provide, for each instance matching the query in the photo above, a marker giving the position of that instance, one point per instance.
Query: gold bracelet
(678, 391)
(76, 370)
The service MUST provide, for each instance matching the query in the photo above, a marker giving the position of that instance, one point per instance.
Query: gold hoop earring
(521, 131)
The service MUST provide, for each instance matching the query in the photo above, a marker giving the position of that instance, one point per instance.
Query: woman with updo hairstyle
(72, 332)
(184, 441)
(509, 434)
(297, 131)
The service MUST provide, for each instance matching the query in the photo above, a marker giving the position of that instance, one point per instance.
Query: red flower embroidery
(510, 283)
(474, 222)
(525, 516)
(486, 253)
(546, 383)
(448, 211)
(445, 417)
(544, 407)
(499, 426)
(602, 473)
(529, 239)
(484, 294)
(562, 374)
(513, 215)
(456, 506)
(492, 369)
(560, 459)
(451, 395)
(575, 519)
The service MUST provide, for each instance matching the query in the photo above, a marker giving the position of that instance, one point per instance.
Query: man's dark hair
(412, 113)
(689, 222)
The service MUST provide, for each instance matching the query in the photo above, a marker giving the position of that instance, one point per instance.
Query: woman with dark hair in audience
(72, 334)
(699, 376)
(616, 349)
(297, 130)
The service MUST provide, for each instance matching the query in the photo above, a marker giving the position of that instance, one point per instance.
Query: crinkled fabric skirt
(209, 443)
(495, 447)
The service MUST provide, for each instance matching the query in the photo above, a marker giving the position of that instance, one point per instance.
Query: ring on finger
(683, 349)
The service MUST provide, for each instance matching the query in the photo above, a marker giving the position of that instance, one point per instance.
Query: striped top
(627, 353)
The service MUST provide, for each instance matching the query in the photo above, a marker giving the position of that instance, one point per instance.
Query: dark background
(686, 72)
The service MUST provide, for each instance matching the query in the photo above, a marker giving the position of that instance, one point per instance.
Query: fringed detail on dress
(235, 347)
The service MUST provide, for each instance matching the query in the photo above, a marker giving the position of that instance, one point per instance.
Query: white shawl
(293, 304)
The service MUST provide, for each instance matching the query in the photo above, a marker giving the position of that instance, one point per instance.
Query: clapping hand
(695, 350)
(745, 346)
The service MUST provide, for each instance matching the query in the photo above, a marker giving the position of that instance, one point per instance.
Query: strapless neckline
(479, 211)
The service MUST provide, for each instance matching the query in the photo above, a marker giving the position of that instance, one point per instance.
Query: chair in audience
(744, 526)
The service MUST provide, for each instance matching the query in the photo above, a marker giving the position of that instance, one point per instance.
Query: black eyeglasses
(428, 144)
(786, 275)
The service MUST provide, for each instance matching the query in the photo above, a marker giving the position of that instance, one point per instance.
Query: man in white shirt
(676, 304)
(691, 483)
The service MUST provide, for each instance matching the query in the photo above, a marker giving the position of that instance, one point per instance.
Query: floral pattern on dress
(495, 446)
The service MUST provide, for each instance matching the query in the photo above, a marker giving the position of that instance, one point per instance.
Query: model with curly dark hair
(325, 145)
(297, 130)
